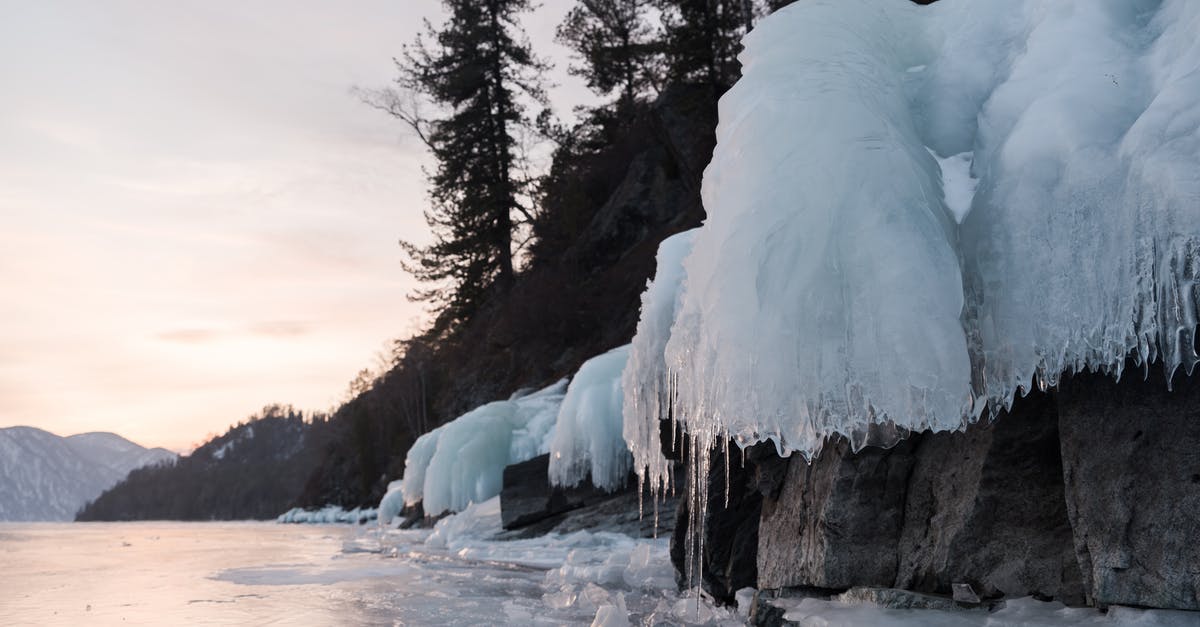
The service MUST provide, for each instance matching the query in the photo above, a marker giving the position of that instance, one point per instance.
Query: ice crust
(832, 289)
(462, 461)
(588, 438)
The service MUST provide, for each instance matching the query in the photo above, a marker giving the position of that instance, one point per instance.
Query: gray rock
(617, 513)
(837, 521)
(1131, 457)
(985, 507)
(527, 496)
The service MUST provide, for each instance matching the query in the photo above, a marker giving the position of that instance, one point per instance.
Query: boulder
(1131, 458)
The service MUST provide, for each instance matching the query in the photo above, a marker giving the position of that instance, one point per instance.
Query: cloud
(281, 328)
(189, 336)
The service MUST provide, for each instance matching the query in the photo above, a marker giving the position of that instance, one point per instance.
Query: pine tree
(703, 38)
(476, 71)
(618, 48)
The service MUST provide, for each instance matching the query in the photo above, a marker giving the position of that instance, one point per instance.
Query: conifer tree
(618, 48)
(476, 71)
(703, 38)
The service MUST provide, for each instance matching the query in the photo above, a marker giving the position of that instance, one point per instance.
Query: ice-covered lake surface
(265, 573)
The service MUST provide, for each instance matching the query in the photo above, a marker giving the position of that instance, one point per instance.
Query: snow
(462, 462)
(646, 378)
(588, 434)
(832, 288)
(958, 186)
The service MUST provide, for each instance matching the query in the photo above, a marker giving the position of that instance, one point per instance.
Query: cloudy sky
(199, 218)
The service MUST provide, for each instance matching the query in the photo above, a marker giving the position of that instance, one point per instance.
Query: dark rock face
(1131, 457)
(1089, 494)
(527, 496)
(985, 507)
(837, 520)
(530, 506)
(730, 528)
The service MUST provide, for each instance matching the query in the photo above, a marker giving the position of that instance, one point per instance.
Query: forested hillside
(254, 471)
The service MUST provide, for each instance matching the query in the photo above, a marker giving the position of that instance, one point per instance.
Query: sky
(199, 217)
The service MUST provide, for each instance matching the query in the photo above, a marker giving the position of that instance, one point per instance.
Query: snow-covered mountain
(47, 477)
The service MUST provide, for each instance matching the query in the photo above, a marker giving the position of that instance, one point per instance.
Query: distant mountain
(47, 477)
(255, 470)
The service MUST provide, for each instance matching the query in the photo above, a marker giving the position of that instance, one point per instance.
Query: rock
(985, 508)
(836, 521)
(1131, 458)
(982, 507)
(527, 496)
(618, 513)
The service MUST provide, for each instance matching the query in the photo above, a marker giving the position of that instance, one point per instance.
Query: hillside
(253, 471)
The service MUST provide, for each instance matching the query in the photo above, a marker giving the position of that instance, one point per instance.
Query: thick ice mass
(587, 436)
(832, 288)
(462, 462)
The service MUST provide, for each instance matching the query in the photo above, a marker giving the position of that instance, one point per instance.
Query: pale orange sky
(199, 218)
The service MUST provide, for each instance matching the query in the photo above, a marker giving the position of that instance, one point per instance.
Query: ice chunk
(477, 521)
(587, 437)
(392, 503)
(646, 380)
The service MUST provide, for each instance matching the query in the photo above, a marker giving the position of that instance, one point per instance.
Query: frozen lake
(251, 573)
(166, 573)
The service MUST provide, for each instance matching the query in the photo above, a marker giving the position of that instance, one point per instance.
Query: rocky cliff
(1086, 494)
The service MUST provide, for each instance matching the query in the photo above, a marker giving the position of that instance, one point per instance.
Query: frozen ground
(263, 573)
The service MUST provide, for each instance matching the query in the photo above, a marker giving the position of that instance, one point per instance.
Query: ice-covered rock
(462, 461)
(587, 436)
(832, 289)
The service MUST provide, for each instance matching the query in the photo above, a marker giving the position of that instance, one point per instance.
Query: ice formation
(646, 379)
(392, 503)
(587, 436)
(832, 288)
(462, 461)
